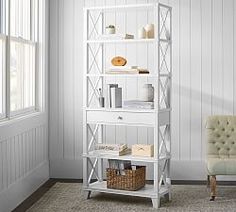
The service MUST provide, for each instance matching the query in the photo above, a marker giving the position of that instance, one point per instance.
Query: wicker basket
(132, 180)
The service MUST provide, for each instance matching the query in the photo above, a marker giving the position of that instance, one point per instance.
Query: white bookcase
(95, 119)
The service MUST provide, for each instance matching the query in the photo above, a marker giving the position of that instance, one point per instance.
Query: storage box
(131, 179)
(143, 150)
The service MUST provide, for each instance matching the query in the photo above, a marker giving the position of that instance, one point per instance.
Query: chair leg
(208, 181)
(213, 187)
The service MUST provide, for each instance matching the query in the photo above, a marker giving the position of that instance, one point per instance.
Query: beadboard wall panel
(203, 79)
(24, 162)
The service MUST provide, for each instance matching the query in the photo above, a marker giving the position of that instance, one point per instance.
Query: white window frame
(39, 40)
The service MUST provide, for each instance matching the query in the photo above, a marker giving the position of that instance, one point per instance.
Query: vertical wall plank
(78, 80)
(206, 55)
(1, 167)
(176, 80)
(195, 81)
(5, 164)
(217, 54)
(54, 78)
(228, 59)
(185, 77)
(68, 80)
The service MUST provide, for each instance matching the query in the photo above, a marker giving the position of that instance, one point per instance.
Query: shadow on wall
(219, 103)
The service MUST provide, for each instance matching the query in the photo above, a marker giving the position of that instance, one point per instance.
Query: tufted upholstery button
(227, 123)
(228, 149)
(218, 122)
(233, 142)
(223, 142)
(223, 129)
(232, 129)
(228, 136)
(218, 136)
(218, 149)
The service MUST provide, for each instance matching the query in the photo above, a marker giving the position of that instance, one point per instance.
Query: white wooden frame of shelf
(92, 162)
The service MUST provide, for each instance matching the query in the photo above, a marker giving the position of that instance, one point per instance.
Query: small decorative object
(132, 179)
(147, 93)
(141, 33)
(111, 29)
(149, 28)
(101, 98)
(143, 150)
(129, 36)
(118, 61)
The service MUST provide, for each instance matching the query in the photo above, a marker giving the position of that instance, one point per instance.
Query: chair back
(221, 137)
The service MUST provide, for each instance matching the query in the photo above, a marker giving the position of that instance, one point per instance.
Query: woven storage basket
(132, 180)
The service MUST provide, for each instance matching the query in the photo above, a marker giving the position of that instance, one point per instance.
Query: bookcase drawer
(121, 118)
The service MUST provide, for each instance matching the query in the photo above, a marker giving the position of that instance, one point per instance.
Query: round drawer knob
(120, 118)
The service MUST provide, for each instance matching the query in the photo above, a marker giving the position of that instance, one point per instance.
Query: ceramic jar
(110, 30)
(149, 28)
(141, 33)
(147, 93)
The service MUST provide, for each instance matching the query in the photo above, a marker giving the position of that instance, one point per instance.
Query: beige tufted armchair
(221, 151)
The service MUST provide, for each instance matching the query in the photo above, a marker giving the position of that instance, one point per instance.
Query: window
(18, 56)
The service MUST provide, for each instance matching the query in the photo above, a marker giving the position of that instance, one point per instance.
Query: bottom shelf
(147, 191)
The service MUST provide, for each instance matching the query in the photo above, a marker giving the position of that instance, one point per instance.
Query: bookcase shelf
(93, 154)
(159, 119)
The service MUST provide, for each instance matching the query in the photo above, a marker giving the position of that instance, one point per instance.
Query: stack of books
(119, 165)
(137, 104)
(126, 70)
(115, 37)
(112, 149)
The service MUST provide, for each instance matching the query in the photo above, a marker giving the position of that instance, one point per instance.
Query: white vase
(147, 93)
(141, 33)
(149, 28)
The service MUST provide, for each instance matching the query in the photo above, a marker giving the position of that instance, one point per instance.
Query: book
(126, 151)
(116, 97)
(138, 104)
(115, 36)
(110, 147)
(126, 70)
(119, 164)
(109, 86)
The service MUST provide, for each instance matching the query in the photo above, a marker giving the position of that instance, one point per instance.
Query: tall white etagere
(159, 118)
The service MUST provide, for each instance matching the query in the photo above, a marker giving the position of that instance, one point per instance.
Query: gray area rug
(69, 197)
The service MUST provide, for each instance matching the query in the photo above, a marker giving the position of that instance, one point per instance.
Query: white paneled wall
(24, 162)
(21, 154)
(203, 79)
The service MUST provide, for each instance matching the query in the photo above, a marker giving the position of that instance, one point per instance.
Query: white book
(109, 86)
(116, 97)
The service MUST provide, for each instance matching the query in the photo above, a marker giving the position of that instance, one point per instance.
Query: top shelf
(121, 7)
(129, 41)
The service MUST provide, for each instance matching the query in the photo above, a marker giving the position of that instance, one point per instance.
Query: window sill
(15, 119)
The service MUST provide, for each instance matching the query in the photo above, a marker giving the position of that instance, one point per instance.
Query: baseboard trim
(22, 189)
(173, 182)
